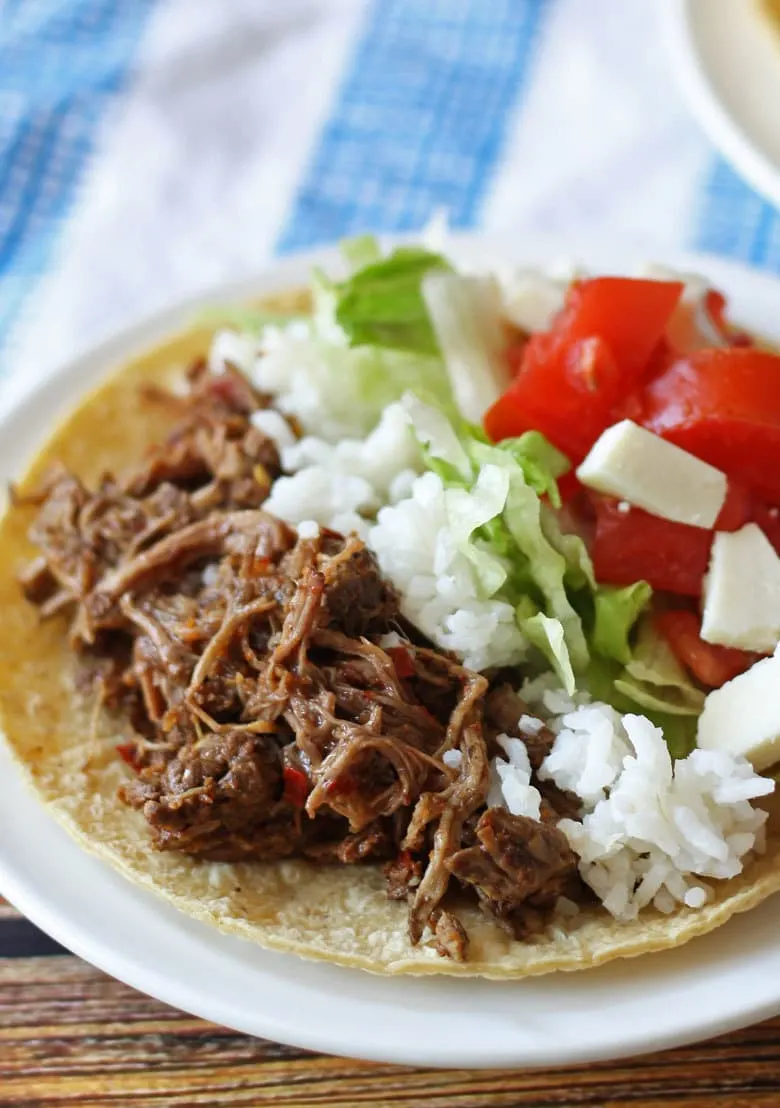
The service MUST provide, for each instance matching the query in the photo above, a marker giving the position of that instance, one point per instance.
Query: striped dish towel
(152, 148)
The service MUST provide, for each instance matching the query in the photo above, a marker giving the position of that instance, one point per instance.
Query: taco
(292, 643)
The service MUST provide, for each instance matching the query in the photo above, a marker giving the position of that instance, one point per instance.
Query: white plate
(726, 56)
(720, 982)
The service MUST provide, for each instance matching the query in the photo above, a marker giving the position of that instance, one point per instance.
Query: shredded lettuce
(605, 683)
(654, 678)
(547, 636)
(654, 682)
(580, 577)
(539, 460)
(361, 251)
(510, 552)
(381, 304)
(616, 612)
(468, 511)
(437, 437)
(521, 554)
(466, 315)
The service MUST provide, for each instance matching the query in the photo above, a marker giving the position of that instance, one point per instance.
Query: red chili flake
(296, 786)
(224, 388)
(402, 660)
(342, 786)
(128, 753)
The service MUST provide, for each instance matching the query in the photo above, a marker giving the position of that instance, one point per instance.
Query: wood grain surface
(70, 1035)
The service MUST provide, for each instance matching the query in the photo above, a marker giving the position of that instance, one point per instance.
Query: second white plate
(726, 56)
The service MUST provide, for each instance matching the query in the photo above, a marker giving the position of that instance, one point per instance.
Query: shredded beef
(267, 718)
(503, 709)
(449, 937)
(517, 863)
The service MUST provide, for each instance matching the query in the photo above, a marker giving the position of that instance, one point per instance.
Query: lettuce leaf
(438, 440)
(467, 319)
(604, 683)
(382, 304)
(520, 553)
(540, 462)
(511, 546)
(547, 636)
(468, 511)
(360, 251)
(616, 610)
(579, 567)
(546, 567)
(654, 678)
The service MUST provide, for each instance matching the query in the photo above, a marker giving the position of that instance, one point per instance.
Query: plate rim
(20, 887)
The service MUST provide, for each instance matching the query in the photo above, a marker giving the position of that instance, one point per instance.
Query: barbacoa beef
(267, 718)
(516, 864)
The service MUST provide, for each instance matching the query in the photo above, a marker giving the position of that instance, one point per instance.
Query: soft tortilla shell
(335, 913)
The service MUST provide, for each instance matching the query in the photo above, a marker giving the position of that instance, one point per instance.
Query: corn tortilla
(338, 914)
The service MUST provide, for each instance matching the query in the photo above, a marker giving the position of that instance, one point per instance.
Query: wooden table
(69, 1035)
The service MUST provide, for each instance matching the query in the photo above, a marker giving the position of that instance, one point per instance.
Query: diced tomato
(723, 406)
(569, 486)
(296, 786)
(514, 357)
(633, 546)
(402, 661)
(768, 519)
(128, 752)
(712, 665)
(738, 508)
(566, 391)
(572, 378)
(715, 305)
(341, 786)
(629, 314)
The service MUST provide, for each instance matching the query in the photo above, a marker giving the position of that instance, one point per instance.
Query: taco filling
(439, 580)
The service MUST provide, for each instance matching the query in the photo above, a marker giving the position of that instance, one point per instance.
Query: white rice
(439, 594)
(342, 486)
(388, 452)
(240, 350)
(652, 827)
(510, 780)
(452, 758)
(308, 529)
(315, 495)
(273, 424)
(295, 369)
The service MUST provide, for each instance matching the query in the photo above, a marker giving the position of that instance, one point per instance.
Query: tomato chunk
(402, 661)
(566, 391)
(739, 508)
(712, 665)
(296, 786)
(128, 752)
(768, 519)
(629, 314)
(572, 378)
(633, 545)
(723, 406)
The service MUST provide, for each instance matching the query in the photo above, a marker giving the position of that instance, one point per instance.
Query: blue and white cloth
(150, 149)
